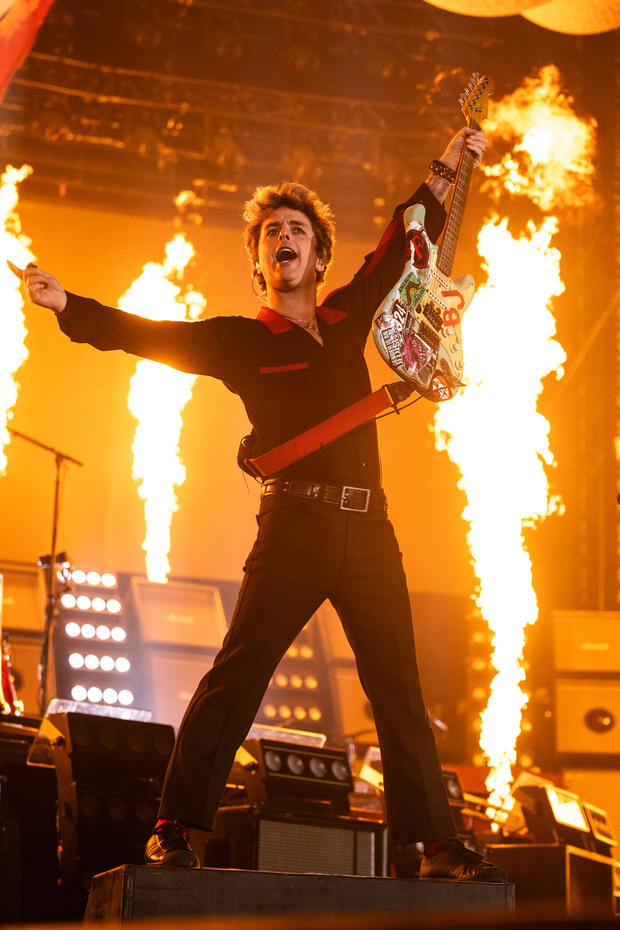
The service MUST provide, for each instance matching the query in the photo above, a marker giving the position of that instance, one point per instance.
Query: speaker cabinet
(179, 613)
(587, 713)
(173, 675)
(561, 880)
(23, 597)
(249, 838)
(587, 641)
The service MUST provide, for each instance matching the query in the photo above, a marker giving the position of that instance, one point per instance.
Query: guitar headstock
(474, 101)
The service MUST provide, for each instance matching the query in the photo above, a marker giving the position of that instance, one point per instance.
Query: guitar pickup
(429, 336)
(432, 316)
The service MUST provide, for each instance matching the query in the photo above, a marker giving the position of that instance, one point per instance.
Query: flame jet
(492, 430)
(13, 332)
(157, 397)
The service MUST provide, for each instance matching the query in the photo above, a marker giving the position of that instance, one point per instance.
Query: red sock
(168, 820)
(431, 848)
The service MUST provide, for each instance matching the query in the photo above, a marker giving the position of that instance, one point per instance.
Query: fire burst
(157, 397)
(13, 332)
(492, 430)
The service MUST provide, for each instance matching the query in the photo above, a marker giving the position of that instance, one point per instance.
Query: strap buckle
(351, 499)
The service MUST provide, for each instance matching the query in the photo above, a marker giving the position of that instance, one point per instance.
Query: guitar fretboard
(449, 242)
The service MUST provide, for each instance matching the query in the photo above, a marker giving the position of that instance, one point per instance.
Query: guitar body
(417, 327)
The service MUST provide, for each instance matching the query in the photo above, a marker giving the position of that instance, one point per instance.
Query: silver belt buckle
(344, 503)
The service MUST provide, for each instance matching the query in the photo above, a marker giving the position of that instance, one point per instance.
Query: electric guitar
(9, 702)
(417, 328)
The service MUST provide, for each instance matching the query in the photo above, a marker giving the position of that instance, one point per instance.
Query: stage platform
(133, 892)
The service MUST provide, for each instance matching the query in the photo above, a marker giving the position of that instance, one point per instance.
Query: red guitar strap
(293, 450)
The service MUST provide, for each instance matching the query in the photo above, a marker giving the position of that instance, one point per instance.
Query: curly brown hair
(288, 194)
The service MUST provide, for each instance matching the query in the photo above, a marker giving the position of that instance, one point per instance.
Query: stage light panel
(566, 809)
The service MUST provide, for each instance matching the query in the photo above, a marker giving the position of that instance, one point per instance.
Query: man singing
(323, 525)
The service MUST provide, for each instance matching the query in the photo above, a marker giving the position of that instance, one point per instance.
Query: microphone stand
(49, 564)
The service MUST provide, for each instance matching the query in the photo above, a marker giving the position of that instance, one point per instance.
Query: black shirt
(287, 381)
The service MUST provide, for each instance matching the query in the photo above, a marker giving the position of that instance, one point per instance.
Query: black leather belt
(343, 496)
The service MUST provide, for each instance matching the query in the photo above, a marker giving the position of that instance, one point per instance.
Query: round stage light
(103, 632)
(76, 660)
(113, 605)
(72, 629)
(310, 682)
(108, 580)
(125, 697)
(296, 681)
(295, 764)
(78, 693)
(98, 604)
(91, 662)
(78, 576)
(93, 578)
(122, 664)
(281, 680)
(68, 600)
(315, 714)
(110, 696)
(106, 663)
(88, 630)
(83, 602)
(339, 770)
(300, 713)
(118, 634)
(94, 695)
(318, 767)
(273, 760)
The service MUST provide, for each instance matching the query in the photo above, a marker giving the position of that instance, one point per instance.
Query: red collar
(279, 324)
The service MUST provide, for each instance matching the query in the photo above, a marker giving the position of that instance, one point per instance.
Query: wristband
(442, 171)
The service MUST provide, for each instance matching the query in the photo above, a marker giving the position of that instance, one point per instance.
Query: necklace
(306, 324)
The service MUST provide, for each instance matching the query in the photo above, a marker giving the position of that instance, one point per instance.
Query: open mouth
(286, 254)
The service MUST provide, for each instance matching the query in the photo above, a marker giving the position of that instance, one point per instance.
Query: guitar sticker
(411, 291)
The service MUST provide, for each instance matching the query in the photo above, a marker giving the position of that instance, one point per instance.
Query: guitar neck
(449, 242)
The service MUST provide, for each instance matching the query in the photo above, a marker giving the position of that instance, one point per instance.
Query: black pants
(305, 552)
